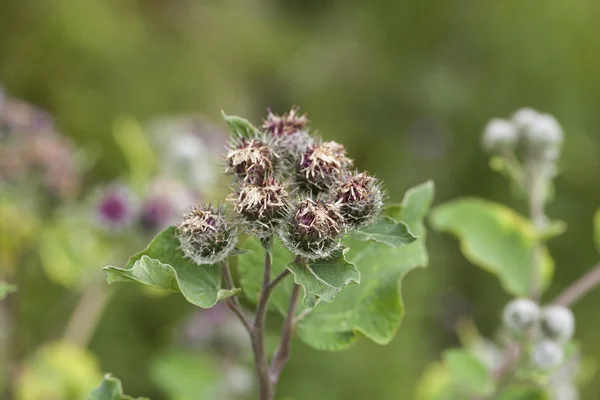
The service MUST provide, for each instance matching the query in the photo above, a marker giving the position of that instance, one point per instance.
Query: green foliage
(58, 371)
(6, 289)
(240, 127)
(324, 279)
(387, 231)
(110, 389)
(468, 373)
(163, 265)
(495, 238)
(185, 376)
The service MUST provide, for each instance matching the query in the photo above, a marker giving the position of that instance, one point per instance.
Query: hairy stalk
(258, 338)
(87, 314)
(233, 302)
(579, 288)
(282, 354)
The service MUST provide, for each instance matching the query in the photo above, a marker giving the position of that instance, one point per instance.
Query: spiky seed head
(322, 166)
(547, 355)
(557, 323)
(500, 134)
(205, 235)
(251, 160)
(520, 315)
(290, 136)
(360, 199)
(286, 124)
(313, 229)
(261, 206)
(116, 207)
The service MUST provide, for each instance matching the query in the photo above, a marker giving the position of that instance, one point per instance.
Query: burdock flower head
(251, 160)
(261, 205)
(360, 199)
(322, 166)
(314, 229)
(205, 235)
(116, 207)
(290, 135)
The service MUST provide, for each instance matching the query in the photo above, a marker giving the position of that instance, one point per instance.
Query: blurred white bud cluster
(540, 133)
(550, 328)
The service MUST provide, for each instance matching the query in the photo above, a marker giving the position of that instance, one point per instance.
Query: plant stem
(536, 213)
(579, 288)
(233, 302)
(282, 354)
(87, 314)
(258, 339)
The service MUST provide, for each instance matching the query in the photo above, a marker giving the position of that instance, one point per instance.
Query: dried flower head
(286, 124)
(260, 205)
(321, 166)
(360, 199)
(251, 160)
(116, 207)
(314, 229)
(206, 236)
(290, 136)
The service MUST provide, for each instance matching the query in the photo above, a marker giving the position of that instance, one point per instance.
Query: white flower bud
(564, 391)
(547, 354)
(545, 132)
(525, 118)
(498, 134)
(558, 323)
(521, 314)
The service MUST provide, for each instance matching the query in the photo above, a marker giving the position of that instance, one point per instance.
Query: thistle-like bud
(547, 355)
(116, 207)
(499, 134)
(520, 315)
(314, 229)
(558, 323)
(290, 135)
(206, 236)
(322, 166)
(525, 118)
(260, 205)
(251, 160)
(360, 199)
(545, 133)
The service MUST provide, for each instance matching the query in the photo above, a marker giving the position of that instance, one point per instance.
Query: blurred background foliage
(407, 86)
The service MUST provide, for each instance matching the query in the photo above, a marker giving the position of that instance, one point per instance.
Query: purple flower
(116, 207)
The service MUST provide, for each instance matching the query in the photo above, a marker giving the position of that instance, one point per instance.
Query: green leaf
(163, 265)
(324, 279)
(240, 127)
(6, 289)
(373, 308)
(597, 229)
(495, 238)
(110, 389)
(468, 372)
(186, 376)
(387, 231)
(523, 392)
(435, 383)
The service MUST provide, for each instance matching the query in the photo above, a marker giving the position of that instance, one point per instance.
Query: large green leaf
(110, 389)
(163, 265)
(240, 127)
(468, 372)
(374, 308)
(387, 231)
(495, 238)
(597, 229)
(324, 279)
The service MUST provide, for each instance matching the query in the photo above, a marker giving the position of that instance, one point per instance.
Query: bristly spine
(360, 199)
(321, 167)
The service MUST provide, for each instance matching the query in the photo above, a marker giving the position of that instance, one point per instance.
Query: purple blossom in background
(166, 201)
(116, 207)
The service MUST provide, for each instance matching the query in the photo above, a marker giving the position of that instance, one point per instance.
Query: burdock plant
(301, 220)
